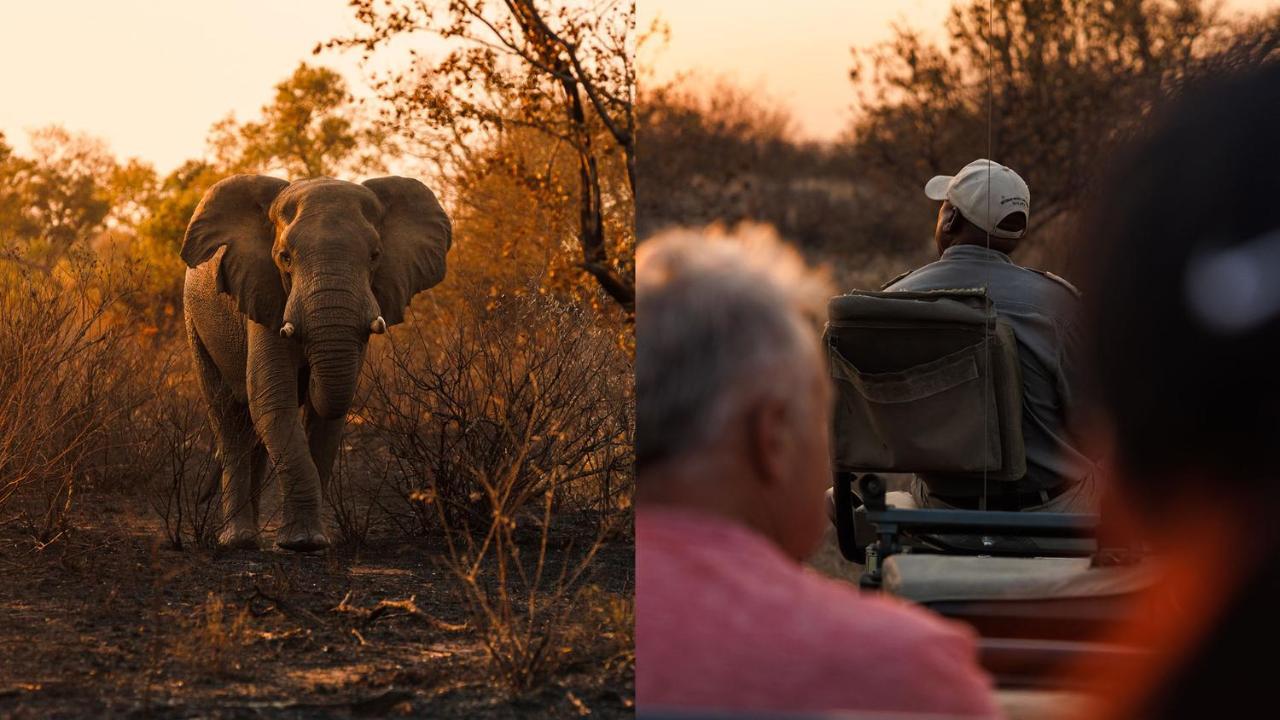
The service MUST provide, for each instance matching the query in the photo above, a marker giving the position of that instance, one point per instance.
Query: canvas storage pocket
(919, 419)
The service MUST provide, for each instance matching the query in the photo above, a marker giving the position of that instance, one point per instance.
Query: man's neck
(1000, 245)
(708, 485)
(971, 251)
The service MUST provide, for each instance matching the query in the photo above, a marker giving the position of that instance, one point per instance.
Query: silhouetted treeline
(1057, 93)
(719, 154)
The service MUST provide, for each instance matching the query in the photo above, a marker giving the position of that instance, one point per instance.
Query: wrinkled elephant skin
(285, 283)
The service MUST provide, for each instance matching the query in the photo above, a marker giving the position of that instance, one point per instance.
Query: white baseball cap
(968, 192)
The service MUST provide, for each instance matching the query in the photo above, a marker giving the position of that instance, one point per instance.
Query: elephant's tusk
(378, 326)
(286, 330)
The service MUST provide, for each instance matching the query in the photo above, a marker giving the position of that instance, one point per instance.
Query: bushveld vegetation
(492, 436)
(1061, 85)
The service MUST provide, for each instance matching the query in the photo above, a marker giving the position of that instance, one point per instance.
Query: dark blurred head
(1183, 348)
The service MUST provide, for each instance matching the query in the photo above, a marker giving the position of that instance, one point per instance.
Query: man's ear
(767, 439)
(950, 216)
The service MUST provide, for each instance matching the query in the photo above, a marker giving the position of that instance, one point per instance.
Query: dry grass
(217, 637)
(605, 619)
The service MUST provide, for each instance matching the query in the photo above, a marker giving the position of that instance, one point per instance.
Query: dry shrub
(160, 386)
(69, 381)
(183, 472)
(360, 489)
(522, 603)
(507, 431)
(483, 415)
(91, 397)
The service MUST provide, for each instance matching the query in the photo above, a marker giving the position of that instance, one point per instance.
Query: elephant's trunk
(335, 372)
(336, 334)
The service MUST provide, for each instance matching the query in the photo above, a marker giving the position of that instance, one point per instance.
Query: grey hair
(721, 320)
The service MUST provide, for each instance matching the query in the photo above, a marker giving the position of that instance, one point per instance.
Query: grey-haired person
(732, 456)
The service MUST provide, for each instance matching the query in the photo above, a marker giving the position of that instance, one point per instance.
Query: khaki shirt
(1042, 310)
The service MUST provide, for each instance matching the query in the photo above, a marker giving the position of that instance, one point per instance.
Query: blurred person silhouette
(982, 219)
(1183, 313)
(732, 456)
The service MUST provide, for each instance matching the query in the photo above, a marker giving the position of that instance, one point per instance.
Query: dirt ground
(108, 622)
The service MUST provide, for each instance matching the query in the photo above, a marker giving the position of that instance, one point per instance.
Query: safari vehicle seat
(929, 383)
(926, 383)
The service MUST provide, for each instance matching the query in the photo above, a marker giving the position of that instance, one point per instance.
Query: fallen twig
(19, 689)
(384, 608)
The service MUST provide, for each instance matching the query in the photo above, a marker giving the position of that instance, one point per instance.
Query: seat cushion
(927, 578)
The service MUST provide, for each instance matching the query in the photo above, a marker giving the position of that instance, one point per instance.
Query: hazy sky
(151, 76)
(796, 51)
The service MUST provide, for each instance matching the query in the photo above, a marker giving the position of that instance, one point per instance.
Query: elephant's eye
(285, 258)
(375, 254)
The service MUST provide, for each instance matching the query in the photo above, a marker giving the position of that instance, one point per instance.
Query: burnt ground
(107, 621)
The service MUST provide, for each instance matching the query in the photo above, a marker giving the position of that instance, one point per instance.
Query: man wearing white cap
(983, 217)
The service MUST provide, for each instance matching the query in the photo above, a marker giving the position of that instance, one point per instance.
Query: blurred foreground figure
(982, 219)
(732, 461)
(1184, 305)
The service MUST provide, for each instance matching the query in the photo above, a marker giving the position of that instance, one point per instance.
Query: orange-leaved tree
(313, 127)
(565, 73)
(1047, 87)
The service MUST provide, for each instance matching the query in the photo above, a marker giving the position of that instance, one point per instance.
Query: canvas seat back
(926, 383)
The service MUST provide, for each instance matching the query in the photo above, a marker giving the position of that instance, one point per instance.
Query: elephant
(285, 283)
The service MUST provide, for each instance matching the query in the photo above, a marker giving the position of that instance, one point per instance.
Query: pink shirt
(725, 621)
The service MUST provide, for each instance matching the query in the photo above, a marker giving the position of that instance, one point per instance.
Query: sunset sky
(798, 52)
(151, 77)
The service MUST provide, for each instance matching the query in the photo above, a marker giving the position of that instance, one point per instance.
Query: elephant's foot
(302, 536)
(234, 538)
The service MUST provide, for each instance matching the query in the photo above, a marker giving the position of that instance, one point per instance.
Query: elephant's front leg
(324, 436)
(272, 384)
(237, 446)
(301, 528)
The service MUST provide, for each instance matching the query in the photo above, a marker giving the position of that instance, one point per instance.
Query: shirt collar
(974, 252)
(698, 531)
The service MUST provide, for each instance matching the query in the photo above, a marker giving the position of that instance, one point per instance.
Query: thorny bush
(524, 392)
(507, 432)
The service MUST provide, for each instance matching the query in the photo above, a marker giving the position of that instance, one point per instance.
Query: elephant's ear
(234, 213)
(416, 235)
